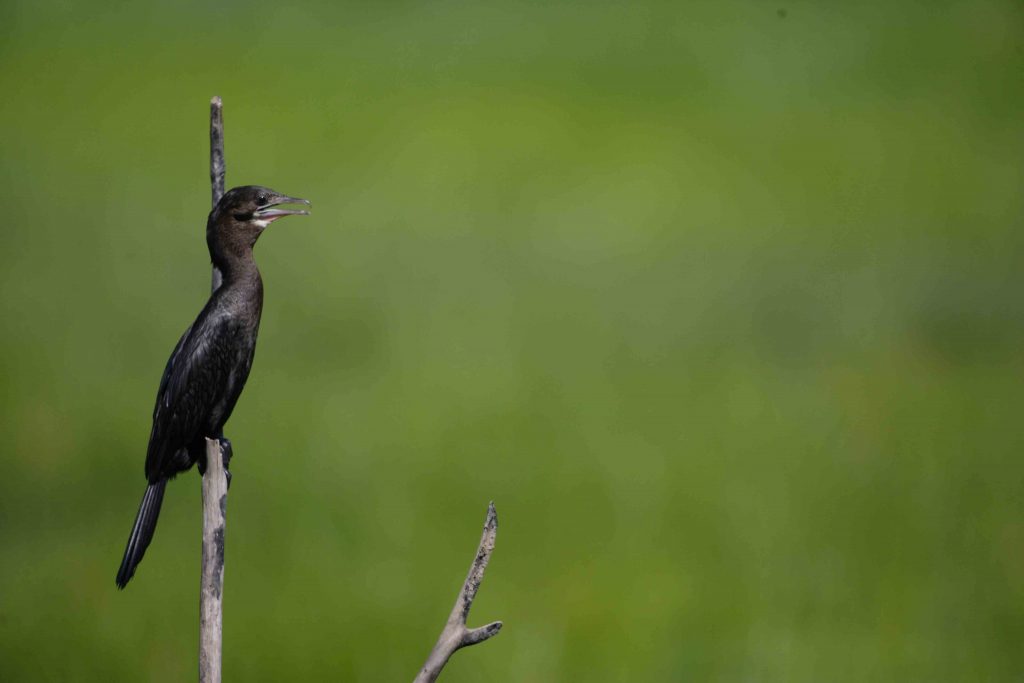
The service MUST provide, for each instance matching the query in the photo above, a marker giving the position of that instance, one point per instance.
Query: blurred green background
(721, 302)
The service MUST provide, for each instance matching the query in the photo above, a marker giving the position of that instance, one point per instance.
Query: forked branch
(456, 634)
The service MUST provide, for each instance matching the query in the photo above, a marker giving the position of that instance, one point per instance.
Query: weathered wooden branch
(216, 165)
(455, 634)
(215, 502)
(215, 483)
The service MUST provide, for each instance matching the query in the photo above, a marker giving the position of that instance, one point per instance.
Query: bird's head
(245, 212)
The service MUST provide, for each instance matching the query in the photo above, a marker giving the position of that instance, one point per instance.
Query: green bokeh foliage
(720, 303)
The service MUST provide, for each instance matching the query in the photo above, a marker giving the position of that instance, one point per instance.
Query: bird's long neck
(241, 290)
(236, 266)
(231, 252)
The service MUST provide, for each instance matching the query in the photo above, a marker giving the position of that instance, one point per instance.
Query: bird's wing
(167, 373)
(191, 386)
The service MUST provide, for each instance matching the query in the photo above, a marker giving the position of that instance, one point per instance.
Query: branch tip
(492, 517)
(216, 166)
(479, 635)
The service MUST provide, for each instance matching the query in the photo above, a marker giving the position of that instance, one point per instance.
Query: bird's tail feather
(142, 532)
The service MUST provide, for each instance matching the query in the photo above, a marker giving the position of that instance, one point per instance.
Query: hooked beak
(270, 214)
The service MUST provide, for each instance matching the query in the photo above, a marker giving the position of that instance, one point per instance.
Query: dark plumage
(208, 368)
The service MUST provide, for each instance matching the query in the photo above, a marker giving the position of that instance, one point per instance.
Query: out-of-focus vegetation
(721, 303)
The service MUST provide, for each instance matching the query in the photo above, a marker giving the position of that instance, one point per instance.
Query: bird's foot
(225, 453)
(225, 450)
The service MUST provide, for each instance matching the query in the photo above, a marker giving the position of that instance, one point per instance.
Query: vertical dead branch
(216, 165)
(215, 501)
(215, 484)
(455, 634)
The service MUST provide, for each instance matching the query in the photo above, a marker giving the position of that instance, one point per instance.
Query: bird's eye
(261, 199)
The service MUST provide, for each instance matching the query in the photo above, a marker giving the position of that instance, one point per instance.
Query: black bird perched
(208, 368)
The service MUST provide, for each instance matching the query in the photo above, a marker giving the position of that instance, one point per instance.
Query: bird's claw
(225, 453)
